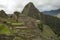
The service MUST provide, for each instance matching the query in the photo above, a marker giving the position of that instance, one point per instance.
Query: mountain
(31, 10)
(52, 12)
(30, 25)
(3, 14)
(58, 15)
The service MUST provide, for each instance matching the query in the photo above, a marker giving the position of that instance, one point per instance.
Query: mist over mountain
(52, 12)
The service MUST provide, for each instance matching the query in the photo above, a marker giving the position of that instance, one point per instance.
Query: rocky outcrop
(15, 16)
(3, 14)
(31, 10)
(6, 37)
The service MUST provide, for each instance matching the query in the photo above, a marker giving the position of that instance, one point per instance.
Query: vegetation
(52, 21)
(32, 30)
(3, 14)
(19, 38)
(17, 24)
(40, 25)
(4, 29)
(17, 14)
(14, 23)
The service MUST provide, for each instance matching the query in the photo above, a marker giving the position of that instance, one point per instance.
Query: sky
(9, 6)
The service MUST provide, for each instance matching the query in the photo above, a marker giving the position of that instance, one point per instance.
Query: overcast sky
(43, 5)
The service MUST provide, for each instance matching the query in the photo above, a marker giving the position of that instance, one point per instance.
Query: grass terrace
(15, 23)
(4, 29)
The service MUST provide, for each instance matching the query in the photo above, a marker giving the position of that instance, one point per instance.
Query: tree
(40, 25)
(17, 15)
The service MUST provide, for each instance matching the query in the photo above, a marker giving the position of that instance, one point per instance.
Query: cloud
(50, 5)
(17, 5)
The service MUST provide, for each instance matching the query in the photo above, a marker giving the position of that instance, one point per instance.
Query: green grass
(47, 32)
(13, 31)
(26, 30)
(19, 38)
(59, 38)
(16, 23)
(4, 29)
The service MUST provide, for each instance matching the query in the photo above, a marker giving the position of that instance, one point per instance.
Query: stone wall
(5, 37)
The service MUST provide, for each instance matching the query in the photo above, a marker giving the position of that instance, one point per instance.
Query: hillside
(32, 31)
(52, 12)
(58, 15)
(31, 11)
(31, 24)
(3, 14)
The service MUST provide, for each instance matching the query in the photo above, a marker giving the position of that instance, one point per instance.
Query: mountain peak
(30, 3)
(31, 10)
